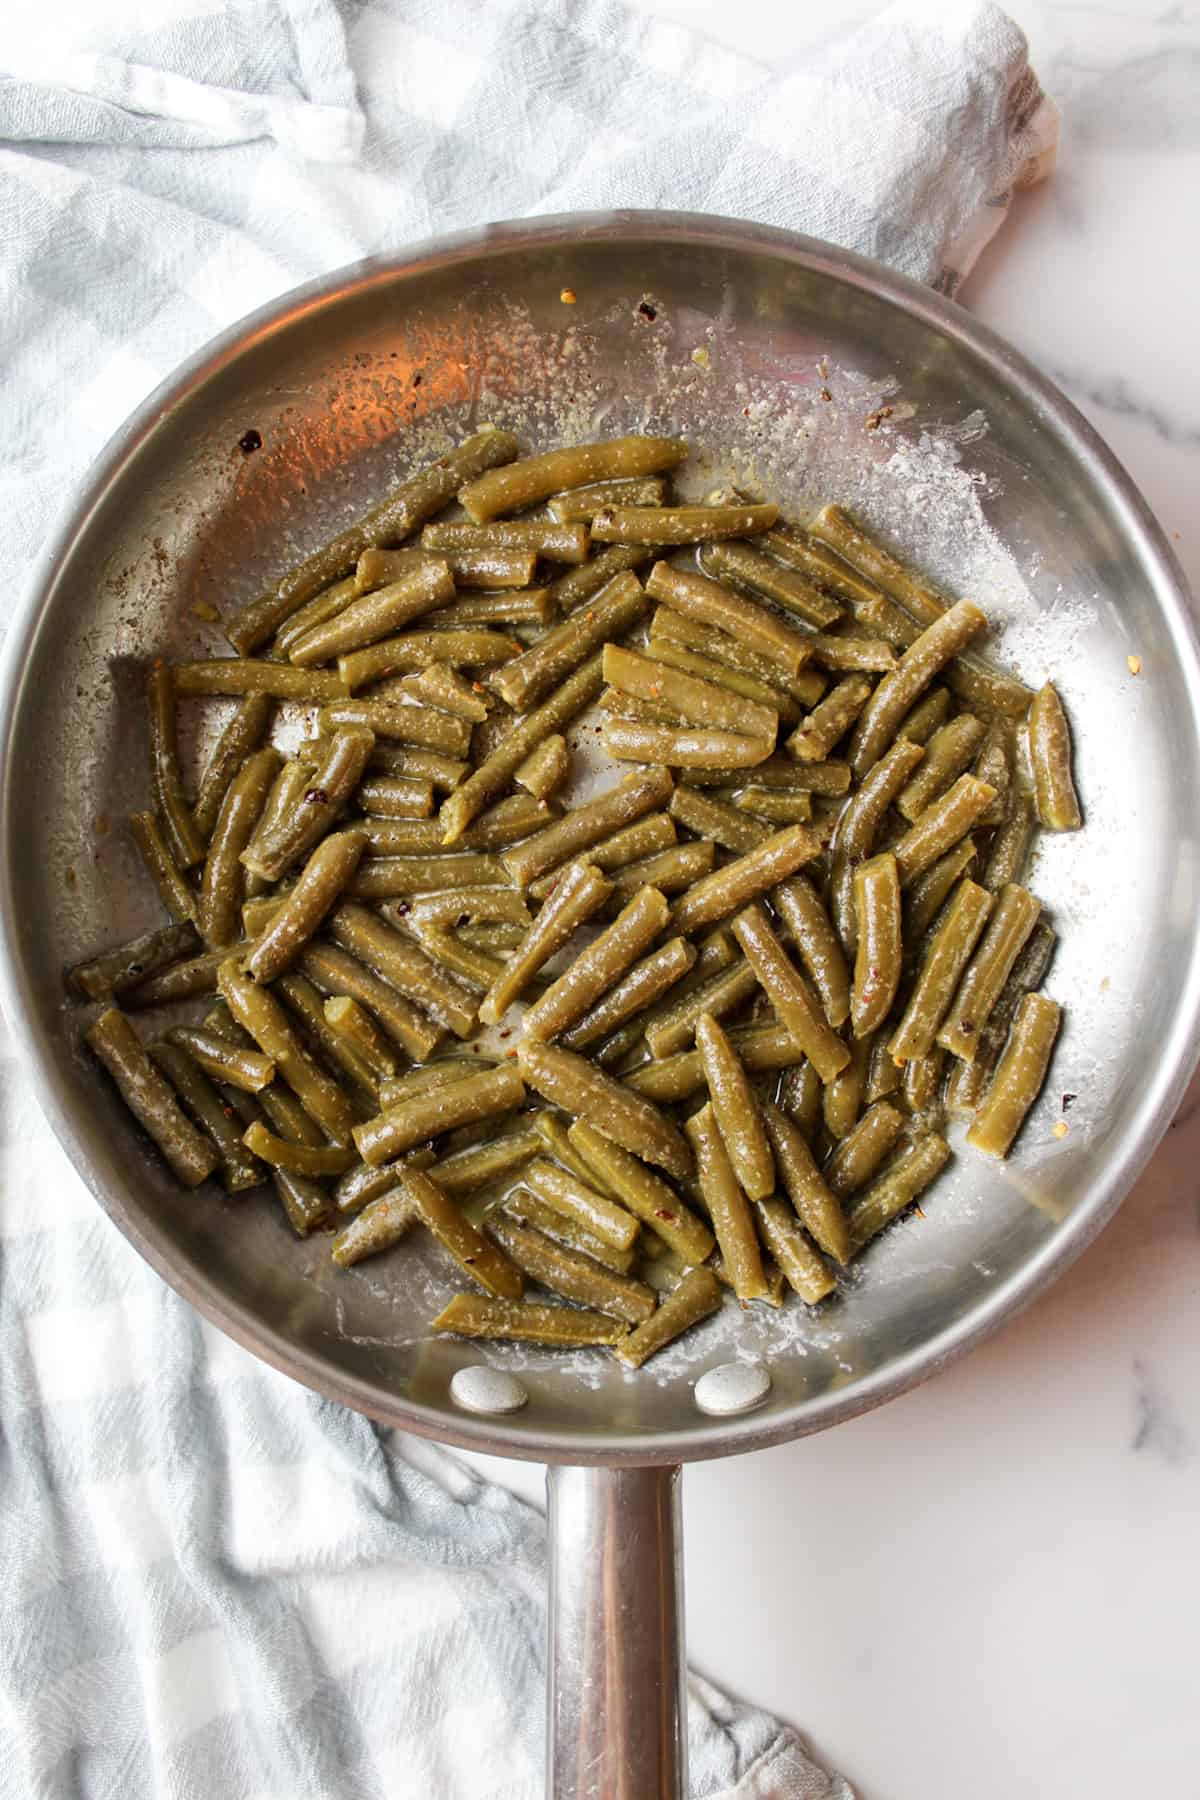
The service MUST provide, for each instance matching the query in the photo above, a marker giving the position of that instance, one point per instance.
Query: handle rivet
(479, 1389)
(734, 1387)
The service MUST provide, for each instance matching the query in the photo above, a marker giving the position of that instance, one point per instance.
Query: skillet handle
(617, 1711)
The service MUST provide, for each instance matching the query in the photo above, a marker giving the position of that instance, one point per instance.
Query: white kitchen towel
(213, 1584)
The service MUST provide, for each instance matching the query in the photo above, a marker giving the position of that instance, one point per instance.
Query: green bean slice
(221, 886)
(920, 1084)
(761, 1047)
(760, 694)
(645, 1194)
(297, 1159)
(789, 994)
(904, 1180)
(598, 967)
(680, 524)
(792, 545)
(150, 1098)
(629, 740)
(993, 764)
(572, 1275)
(879, 956)
(477, 1256)
(863, 1149)
(422, 726)
(208, 1110)
(919, 725)
(234, 1064)
(315, 812)
(696, 1296)
(841, 1100)
(899, 690)
(736, 1110)
(399, 877)
(306, 907)
(242, 735)
(803, 912)
(133, 963)
(728, 1208)
(415, 650)
(546, 768)
(725, 890)
(670, 871)
(381, 1223)
(564, 1327)
(715, 820)
(480, 1096)
(633, 844)
(577, 585)
(375, 615)
(1015, 915)
(184, 841)
(1019, 1075)
(708, 603)
(174, 891)
(182, 981)
(609, 615)
(1050, 759)
(403, 966)
(332, 971)
(536, 478)
(577, 831)
(802, 1268)
(354, 1024)
(323, 606)
(470, 568)
(646, 981)
(800, 1095)
(580, 893)
(303, 998)
(947, 954)
(1009, 850)
(575, 1085)
(719, 994)
(828, 778)
(244, 676)
(701, 703)
(578, 1199)
(287, 790)
(824, 727)
(672, 630)
(398, 797)
(930, 891)
(941, 826)
(493, 775)
(816, 1206)
(548, 538)
(857, 828)
(259, 1013)
(746, 568)
(949, 752)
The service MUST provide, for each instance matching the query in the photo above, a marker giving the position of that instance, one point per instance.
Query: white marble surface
(1005, 1596)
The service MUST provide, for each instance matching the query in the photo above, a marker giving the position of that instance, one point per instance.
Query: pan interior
(802, 377)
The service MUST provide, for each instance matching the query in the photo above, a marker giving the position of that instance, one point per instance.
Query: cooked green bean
(949, 752)
(644, 838)
(816, 1206)
(396, 1089)
(222, 883)
(714, 820)
(570, 590)
(243, 734)
(184, 840)
(852, 653)
(701, 703)
(549, 538)
(969, 1080)
(261, 1015)
(670, 871)
(404, 966)
(736, 1110)
(493, 775)
(680, 524)
(464, 1172)
(745, 687)
(397, 797)
(670, 629)
(828, 723)
(376, 615)
(804, 914)
(303, 998)
(598, 967)
(879, 956)
(993, 764)
(857, 828)
(568, 1193)
(842, 1098)
(564, 1327)
(237, 1066)
(581, 892)
(599, 818)
(354, 1024)
(133, 963)
(1009, 850)
(941, 826)
(572, 1083)
(1050, 760)
(209, 1110)
(583, 504)
(535, 478)
(947, 953)
(287, 791)
(693, 1299)
(831, 779)
(834, 527)
(282, 1108)
(609, 615)
(645, 1194)
(722, 892)
(470, 569)
(646, 981)
(803, 1269)
(453, 906)
(333, 972)
(556, 1138)
(862, 1150)
(408, 506)
(298, 1159)
(904, 1180)
(397, 877)
(398, 837)
(919, 725)
(745, 567)
(545, 768)
(473, 648)
(795, 547)
(720, 993)
(790, 996)
(323, 606)
(1016, 914)
(920, 1084)
(302, 913)
(898, 691)
(318, 807)
(238, 675)
(381, 1223)
(150, 1098)
(728, 1208)
(494, 936)
(761, 1047)
(475, 968)
(800, 1096)
(176, 894)
(477, 1256)
(437, 1110)
(681, 748)
(422, 726)
(1019, 1075)
(930, 891)
(708, 603)
(573, 1276)
(182, 981)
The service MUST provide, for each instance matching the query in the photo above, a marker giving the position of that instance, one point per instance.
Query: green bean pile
(807, 939)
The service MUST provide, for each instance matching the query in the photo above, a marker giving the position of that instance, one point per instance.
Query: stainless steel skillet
(780, 358)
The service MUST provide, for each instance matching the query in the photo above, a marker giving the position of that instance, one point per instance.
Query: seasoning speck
(700, 357)
(647, 312)
(250, 441)
(1061, 1129)
(1134, 664)
(568, 296)
(1068, 1101)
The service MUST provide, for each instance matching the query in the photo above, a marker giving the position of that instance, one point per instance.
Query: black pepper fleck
(250, 441)
(646, 311)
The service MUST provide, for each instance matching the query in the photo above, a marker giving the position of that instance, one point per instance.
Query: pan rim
(1178, 1052)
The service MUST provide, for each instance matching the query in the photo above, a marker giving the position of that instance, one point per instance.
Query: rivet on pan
(479, 1389)
(734, 1387)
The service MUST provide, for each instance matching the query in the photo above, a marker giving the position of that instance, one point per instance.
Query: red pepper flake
(568, 296)
(668, 1218)
(825, 394)
(875, 419)
(920, 1214)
